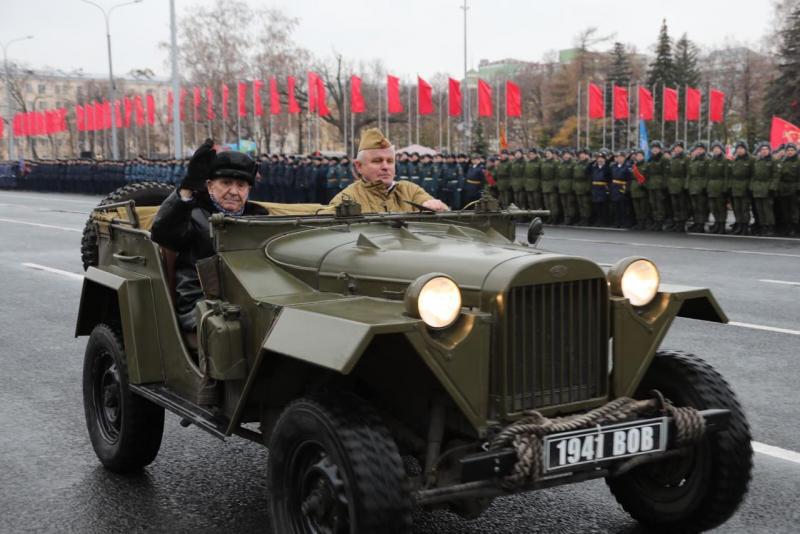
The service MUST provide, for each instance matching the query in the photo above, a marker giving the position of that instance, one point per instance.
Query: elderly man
(214, 183)
(375, 189)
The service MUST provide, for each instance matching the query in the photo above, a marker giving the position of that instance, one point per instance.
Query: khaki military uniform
(518, 183)
(533, 184)
(374, 198)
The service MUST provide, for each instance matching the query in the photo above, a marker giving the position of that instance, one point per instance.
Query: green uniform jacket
(564, 176)
(697, 180)
(502, 174)
(654, 173)
(764, 180)
(740, 174)
(677, 170)
(533, 175)
(581, 181)
(518, 174)
(717, 175)
(549, 176)
(636, 189)
(788, 171)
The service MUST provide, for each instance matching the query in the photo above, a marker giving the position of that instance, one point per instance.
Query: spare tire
(142, 193)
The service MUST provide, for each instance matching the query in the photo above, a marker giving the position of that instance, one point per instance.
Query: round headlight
(434, 298)
(636, 279)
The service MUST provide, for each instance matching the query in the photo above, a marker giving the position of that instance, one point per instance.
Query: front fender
(638, 332)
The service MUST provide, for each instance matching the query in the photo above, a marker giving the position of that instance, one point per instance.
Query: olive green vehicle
(396, 361)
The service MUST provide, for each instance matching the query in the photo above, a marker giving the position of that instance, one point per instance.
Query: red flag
(621, 110)
(88, 110)
(99, 120)
(170, 104)
(41, 123)
(80, 120)
(47, 122)
(182, 103)
(646, 106)
(454, 97)
(64, 113)
(393, 94)
(241, 94)
(118, 113)
(258, 110)
(638, 175)
(692, 104)
(356, 98)
(294, 107)
(128, 111)
(18, 125)
(197, 98)
(274, 97)
(312, 92)
(424, 97)
(322, 105)
(225, 96)
(107, 115)
(597, 104)
(151, 110)
(210, 115)
(484, 99)
(716, 102)
(669, 108)
(783, 132)
(513, 100)
(139, 110)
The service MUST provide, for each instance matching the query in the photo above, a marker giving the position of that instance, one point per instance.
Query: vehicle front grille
(551, 346)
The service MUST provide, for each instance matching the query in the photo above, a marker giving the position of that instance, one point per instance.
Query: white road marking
(780, 282)
(67, 228)
(776, 452)
(49, 199)
(66, 274)
(765, 328)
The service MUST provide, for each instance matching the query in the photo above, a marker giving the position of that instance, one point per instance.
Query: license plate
(604, 443)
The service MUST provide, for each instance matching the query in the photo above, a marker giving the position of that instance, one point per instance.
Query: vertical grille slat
(554, 345)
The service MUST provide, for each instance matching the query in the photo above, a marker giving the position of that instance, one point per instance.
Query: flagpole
(147, 135)
(344, 117)
(417, 137)
(638, 117)
(497, 114)
(578, 123)
(588, 121)
(505, 118)
(700, 120)
(662, 113)
(352, 134)
(409, 114)
(685, 118)
(708, 115)
(613, 118)
(628, 128)
(604, 114)
(440, 121)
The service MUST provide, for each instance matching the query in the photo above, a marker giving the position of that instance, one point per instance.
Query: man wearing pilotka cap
(375, 189)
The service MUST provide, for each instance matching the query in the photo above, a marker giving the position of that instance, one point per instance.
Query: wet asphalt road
(50, 480)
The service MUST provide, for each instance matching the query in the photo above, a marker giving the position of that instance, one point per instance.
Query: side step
(189, 412)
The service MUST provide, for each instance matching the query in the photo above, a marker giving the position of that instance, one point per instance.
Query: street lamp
(113, 90)
(8, 91)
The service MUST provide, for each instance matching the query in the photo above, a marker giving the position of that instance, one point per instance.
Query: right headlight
(637, 279)
(435, 298)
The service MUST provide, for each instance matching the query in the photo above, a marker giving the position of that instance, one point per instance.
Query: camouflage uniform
(788, 171)
(676, 185)
(696, 182)
(518, 180)
(656, 187)
(582, 187)
(763, 187)
(716, 188)
(566, 193)
(533, 182)
(502, 176)
(741, 170)
(549, 187)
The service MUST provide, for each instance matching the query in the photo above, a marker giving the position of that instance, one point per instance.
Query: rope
(526, 436)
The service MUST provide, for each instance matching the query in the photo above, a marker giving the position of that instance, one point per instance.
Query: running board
(188, 412)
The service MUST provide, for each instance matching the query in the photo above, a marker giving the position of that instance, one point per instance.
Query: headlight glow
(435, 298)
(637, 279)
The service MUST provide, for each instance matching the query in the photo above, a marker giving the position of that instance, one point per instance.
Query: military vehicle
(404, 360)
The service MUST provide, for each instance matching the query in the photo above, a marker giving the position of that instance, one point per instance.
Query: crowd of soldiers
(664, 190)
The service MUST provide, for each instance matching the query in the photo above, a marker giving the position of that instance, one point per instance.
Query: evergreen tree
(783, 95)
(619, 71)
(686, 70)
(662, 69)
(479, 142)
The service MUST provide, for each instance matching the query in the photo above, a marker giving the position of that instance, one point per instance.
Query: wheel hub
(323, 501)
(107, 398)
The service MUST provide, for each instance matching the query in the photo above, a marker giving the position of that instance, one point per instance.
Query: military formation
(676, 190)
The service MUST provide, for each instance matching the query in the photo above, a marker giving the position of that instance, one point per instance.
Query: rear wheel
(703, 488)
(125, 429)
(334, 468)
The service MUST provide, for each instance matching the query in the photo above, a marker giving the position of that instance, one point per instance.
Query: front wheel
(125, 429)
(703, 488)
(334, 468)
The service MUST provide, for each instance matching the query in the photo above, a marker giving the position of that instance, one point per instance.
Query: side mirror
(535, 231)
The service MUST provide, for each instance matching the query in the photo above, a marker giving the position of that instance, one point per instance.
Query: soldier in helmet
(656, 185)
(566, 196)
(518, 180)
(676, 183)
(741, 171)
(533, 181)
(582, 186)
(696, 182)
(638, 191)
(716, 186)
(763, 187)
(502, 176)
(788, 171)
(549, 186)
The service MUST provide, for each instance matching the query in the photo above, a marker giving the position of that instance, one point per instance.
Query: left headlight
(637, 279)
(435, 298)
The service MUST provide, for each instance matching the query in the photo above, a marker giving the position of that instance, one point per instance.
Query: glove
(199, 167)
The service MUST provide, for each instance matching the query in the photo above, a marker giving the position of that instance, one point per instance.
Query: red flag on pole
(139, 110)
(170, 104)
(783, 132)
(118, 113)
(357, 104)
(293, 106)
(128, 111)
(80, 120)
(424, 97)
(716, 102)
(197, 98)
(597, 104)
(258, 110)
(64, 113)
(322, 105)
(88, 110)
(274, 97)
(692, 104)
(241, 94)
(621, 110)
(210, 114)
(107, 117)
(484, 99)
(226, 93)
(393, 94)
(151, 110)
(17, 130)
(670, 104)
(513, 100)
(646, 105)
(312, 91)
(454, 97)
(182, 103)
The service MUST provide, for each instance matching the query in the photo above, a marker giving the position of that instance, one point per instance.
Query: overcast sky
(410, 36)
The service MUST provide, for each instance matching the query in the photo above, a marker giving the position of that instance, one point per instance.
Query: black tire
(334, 467)
(143, 193)
(125, 429)
(703, 489)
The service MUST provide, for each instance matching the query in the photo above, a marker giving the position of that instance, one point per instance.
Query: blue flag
(644, 143)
